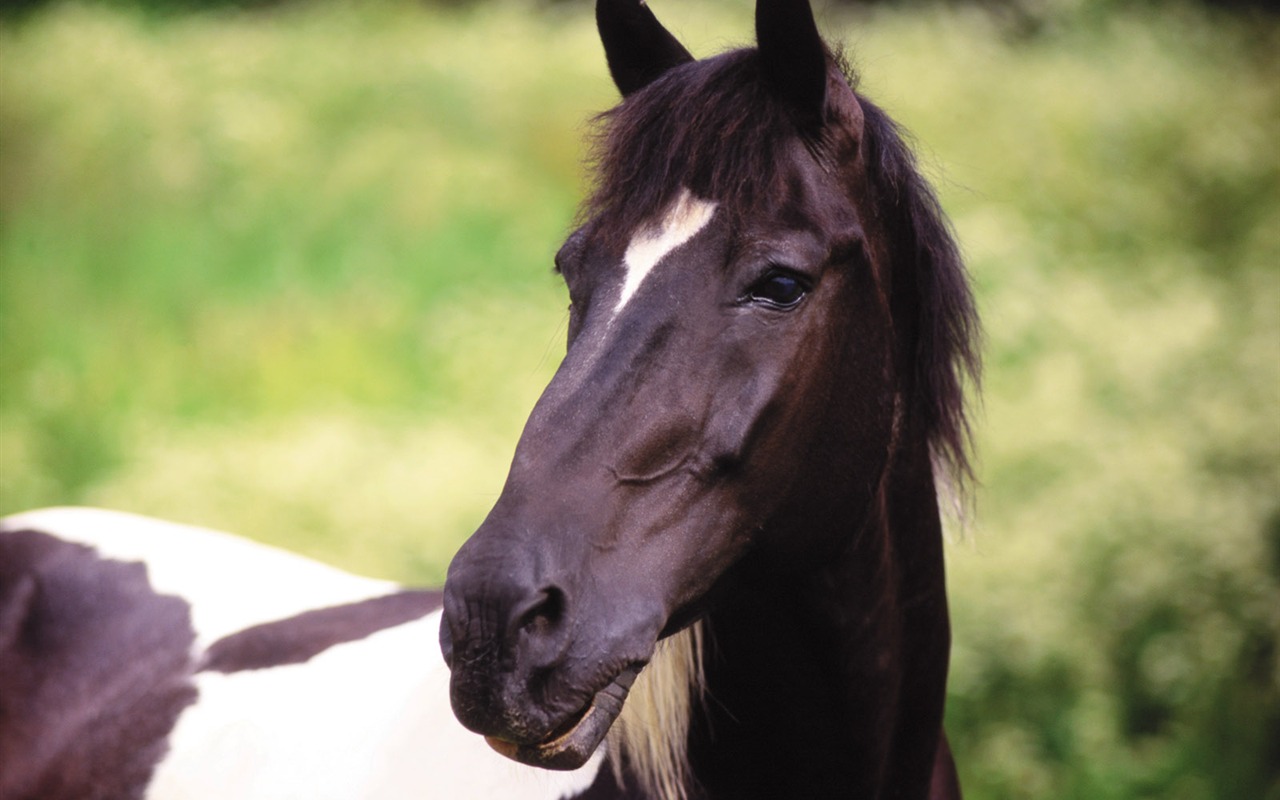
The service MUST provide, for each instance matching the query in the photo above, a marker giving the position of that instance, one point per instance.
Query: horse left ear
(793, 57)
(639, 50)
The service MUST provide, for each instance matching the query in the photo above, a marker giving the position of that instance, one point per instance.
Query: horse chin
(573, 743)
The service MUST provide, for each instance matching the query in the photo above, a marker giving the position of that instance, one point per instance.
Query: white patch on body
(230, 582)
(652, 243)
(367, 719)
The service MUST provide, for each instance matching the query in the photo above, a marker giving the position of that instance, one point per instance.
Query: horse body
(715, 569)
(281, 677)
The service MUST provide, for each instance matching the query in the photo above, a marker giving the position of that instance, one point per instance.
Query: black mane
(676, 133)
(930, 273)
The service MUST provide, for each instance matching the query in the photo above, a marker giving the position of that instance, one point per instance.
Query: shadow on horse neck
(724, 503)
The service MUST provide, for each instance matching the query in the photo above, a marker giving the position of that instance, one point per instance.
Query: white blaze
(652, 243)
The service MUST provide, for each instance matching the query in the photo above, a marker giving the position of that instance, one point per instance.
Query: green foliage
(287, 273)
(220, 221)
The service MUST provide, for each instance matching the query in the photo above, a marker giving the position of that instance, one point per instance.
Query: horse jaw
(649, 733)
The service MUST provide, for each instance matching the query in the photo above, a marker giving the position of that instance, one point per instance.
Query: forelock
(711, 126)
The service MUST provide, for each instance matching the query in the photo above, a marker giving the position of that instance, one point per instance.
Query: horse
(715, 569)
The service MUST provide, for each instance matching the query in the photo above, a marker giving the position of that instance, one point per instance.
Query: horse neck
(830, 682)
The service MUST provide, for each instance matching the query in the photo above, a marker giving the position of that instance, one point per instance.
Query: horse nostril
(544, 614)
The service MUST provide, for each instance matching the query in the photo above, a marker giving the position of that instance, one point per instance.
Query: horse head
(736, 381)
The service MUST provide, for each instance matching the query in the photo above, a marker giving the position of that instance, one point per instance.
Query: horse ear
(793, 57)
(637, 47)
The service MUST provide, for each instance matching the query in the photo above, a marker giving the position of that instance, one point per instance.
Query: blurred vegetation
(286, 272)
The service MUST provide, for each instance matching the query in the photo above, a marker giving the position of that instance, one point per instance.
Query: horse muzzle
(540, 680)
(572, 744)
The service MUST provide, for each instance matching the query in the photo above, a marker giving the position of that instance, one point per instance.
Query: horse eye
(778, 288)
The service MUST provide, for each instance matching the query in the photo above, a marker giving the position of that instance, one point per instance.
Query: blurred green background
(286, 271)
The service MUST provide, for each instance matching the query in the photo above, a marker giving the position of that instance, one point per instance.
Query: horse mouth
(575, 740)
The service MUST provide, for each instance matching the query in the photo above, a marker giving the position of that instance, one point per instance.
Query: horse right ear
(793, 57)
(637, 47)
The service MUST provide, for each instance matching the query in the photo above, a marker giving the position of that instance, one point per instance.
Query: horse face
(704, 401)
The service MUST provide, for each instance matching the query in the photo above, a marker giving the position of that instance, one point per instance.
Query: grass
(287, 273)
